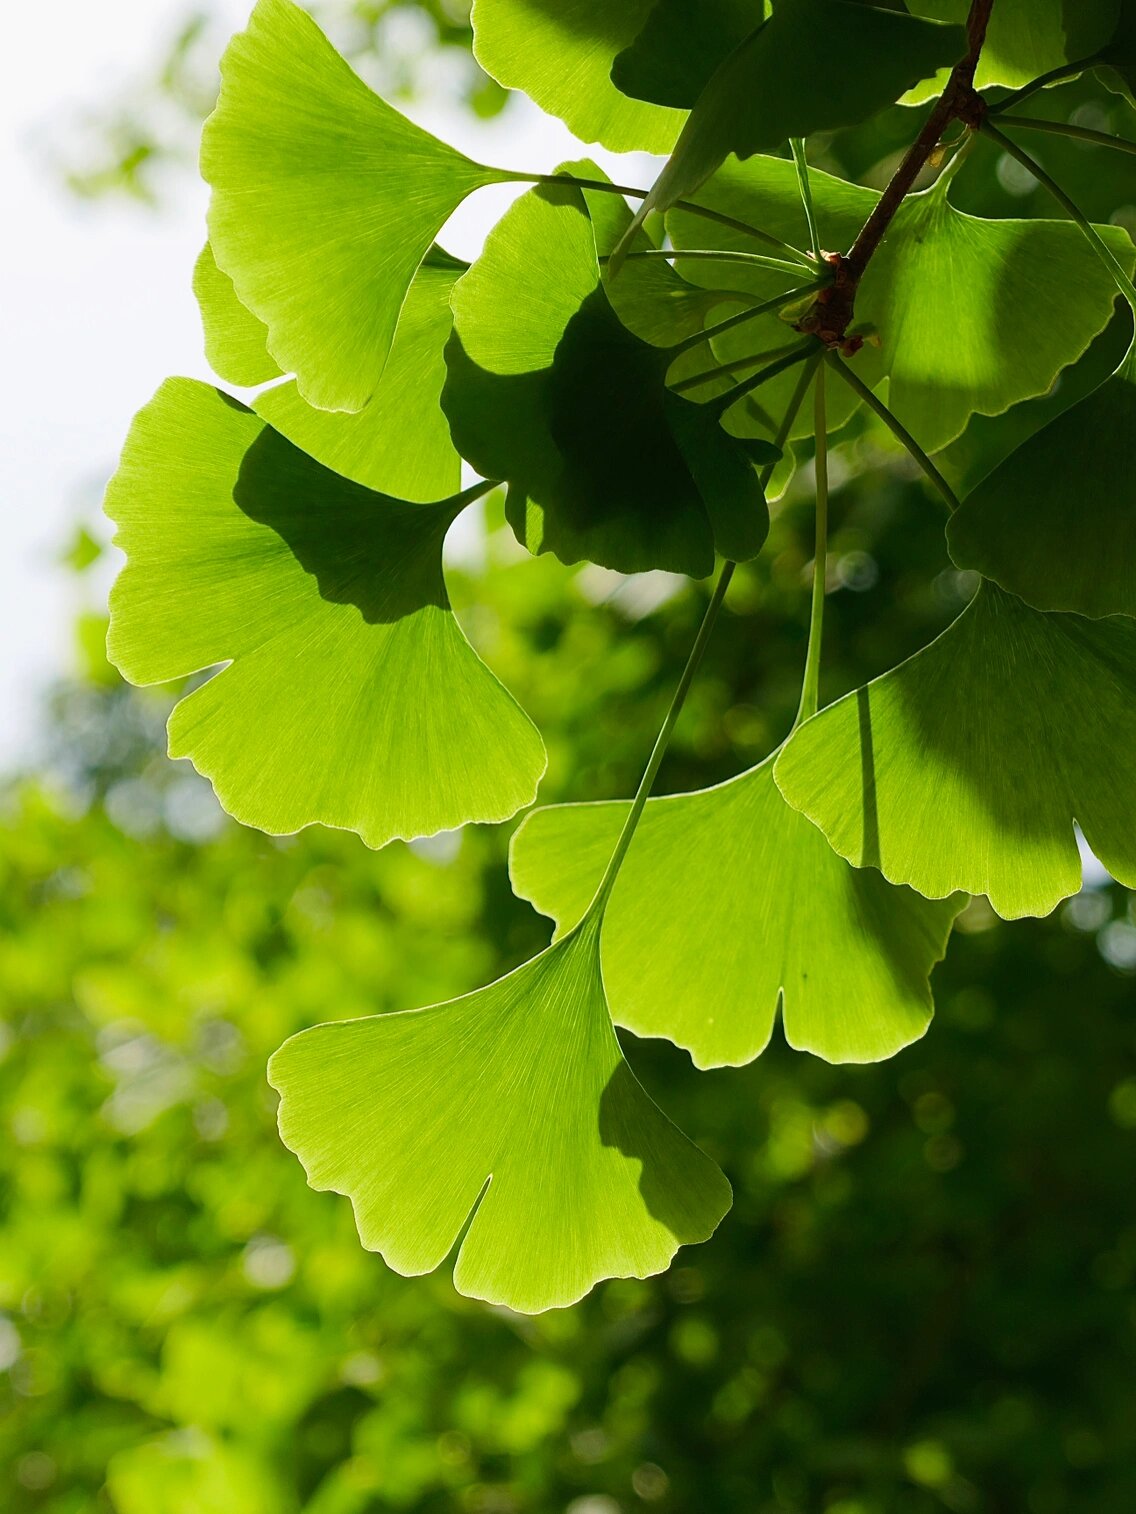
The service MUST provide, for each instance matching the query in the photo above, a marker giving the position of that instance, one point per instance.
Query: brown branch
(832, 313)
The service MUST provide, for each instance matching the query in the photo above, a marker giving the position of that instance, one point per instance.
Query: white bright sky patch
(98, 307)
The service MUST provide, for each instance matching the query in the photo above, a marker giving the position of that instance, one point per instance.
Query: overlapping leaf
(325, 201)
(728, 903)
(681, 47)
(560, 53)
(1027, 38)
(514, 1104)
(970, 315)
(351, 696)
(549, 390)
(1056, 522)
(813, 66)
(400, 443)
(966, 766)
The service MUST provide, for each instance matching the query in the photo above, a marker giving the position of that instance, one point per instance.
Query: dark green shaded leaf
(1056, 522)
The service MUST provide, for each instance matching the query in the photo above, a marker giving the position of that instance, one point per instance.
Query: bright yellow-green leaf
(729, 903)
(325, 201)
(560, 53)
(350, 696)
(513, 1104)
(966, 766)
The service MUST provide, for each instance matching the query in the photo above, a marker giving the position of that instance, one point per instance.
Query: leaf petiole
(897, 429)
(1043, 81)
(697, 651)
(749, 314)
(710, 255)
(795, 355)
(719, 217)
(772, 356)
(801, 163)
(810, 685)
(1077, 133)
(1098, 243)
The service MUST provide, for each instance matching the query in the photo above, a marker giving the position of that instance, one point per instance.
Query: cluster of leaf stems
(821, 349)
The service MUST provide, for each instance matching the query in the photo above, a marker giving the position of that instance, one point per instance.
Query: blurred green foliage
(924, 1298)
(129, 143)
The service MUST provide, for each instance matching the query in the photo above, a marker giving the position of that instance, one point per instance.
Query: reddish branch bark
(832, 312)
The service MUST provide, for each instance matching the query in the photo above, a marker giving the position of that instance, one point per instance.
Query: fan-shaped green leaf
(236, 343)
(550, 391)
(813, 66)
(325, 201)
(729, 902)
(351, 697)
(966, 766)
(971, 315)
(400, 443)
(681, 47)
(1056, 522)
(560, 53)
(1026, 38)
(513, 1103)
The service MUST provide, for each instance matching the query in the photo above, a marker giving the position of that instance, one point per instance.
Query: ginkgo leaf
(1056, 522)
(970, 315)
(1119, 54)
(548, 390)
(728, 903)
(966, 766)
(681, 46)
(236, 343)
(560, 53)
(325, 201)
(350, 697)
(815, 65)
(1025, 38)
(400, 443)
(513, 1104)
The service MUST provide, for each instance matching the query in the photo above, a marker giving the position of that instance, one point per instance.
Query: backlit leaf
(1056, 522)
(971, 315)
(1026, 38)
(325, 201)
(815, 65)
(350, 696)
(560, 53)
(728, 903)
(513, 1104)
(966, 766)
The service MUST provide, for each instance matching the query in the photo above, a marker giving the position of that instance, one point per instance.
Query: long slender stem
(1067, 129)
(897, 429)
(662, 741)
(796, 355)
(774, 357)
(810, 685)
(713, 255)
(801, 163)
(749, 314)
(1054, 76)
(1098, 243)
(707, 214)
